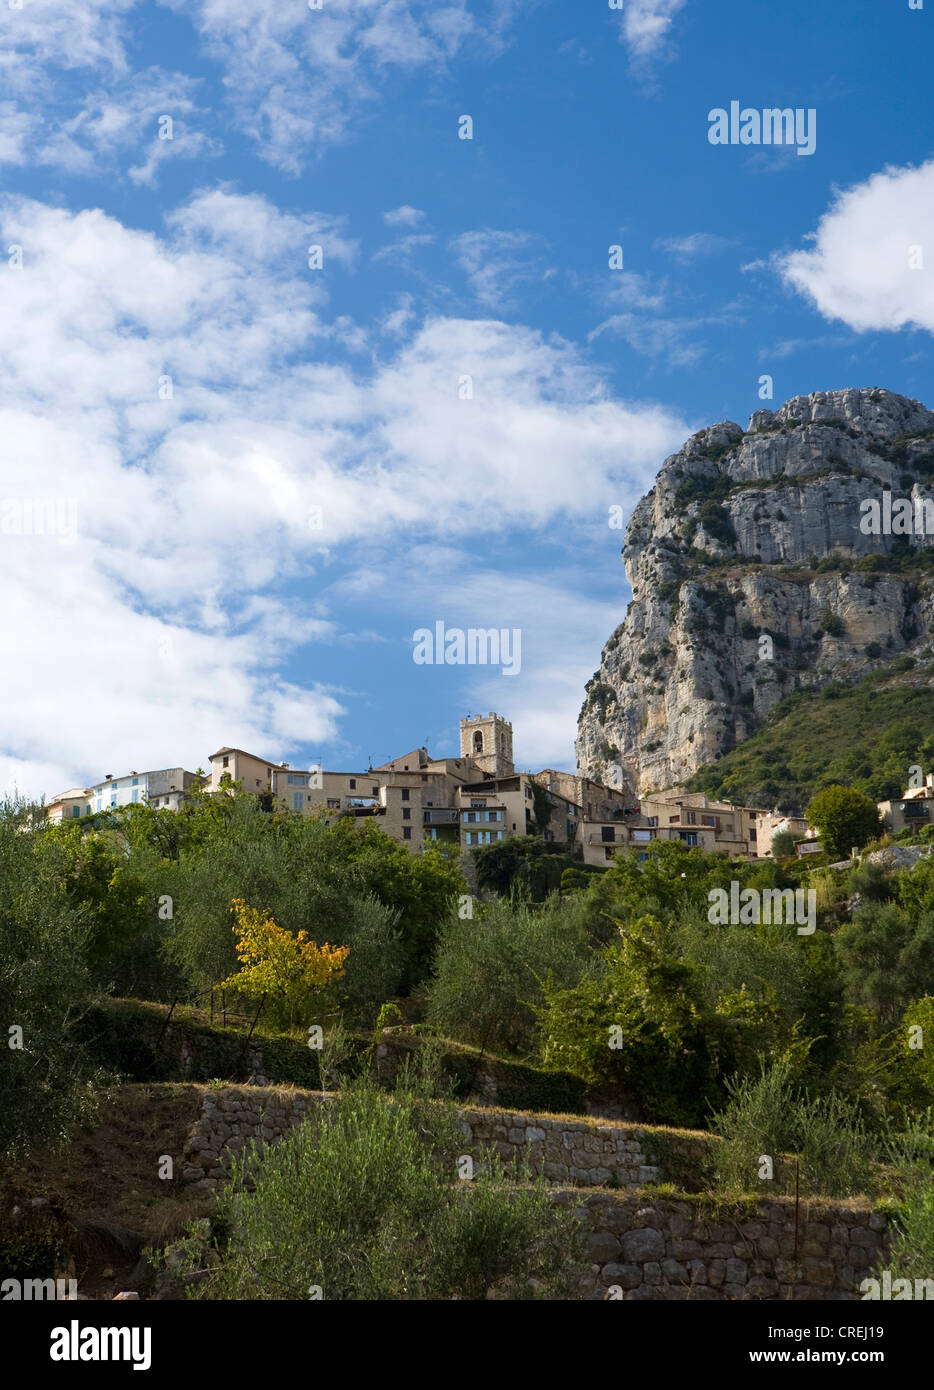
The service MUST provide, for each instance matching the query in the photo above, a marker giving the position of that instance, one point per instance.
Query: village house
(676, 814)
(914, 808)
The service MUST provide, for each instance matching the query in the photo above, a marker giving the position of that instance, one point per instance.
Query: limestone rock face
(755, 572)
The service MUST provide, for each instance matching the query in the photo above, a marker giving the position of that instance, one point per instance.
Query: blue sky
(274, 475)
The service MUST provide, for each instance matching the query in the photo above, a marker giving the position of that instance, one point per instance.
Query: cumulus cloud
(73, 100)
(298, 78)
(294, 79)
(871, 263)
(186, 401)
(647, 25)
(403, 217)
(68, 34)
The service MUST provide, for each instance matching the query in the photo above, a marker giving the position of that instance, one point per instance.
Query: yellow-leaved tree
(292, 971)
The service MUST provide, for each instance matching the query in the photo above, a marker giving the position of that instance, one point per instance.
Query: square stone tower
(488, 740)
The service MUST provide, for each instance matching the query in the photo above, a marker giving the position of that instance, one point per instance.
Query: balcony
(441, 815)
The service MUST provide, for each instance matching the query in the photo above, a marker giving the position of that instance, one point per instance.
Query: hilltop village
(476, 799)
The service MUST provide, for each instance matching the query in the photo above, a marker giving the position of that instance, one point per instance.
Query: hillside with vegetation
(157, 956)
(866, 735)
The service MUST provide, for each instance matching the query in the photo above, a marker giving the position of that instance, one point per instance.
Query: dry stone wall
(567, 1150)
(638, 1245)
(673, 1250)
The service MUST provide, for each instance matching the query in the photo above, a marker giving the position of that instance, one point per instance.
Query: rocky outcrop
(755, 572)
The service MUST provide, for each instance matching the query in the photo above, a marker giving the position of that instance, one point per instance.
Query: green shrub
(365, 1202)
(769, 1118)
(832, 624)
(489, 971)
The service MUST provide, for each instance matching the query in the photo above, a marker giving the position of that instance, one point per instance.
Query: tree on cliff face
(844, 818)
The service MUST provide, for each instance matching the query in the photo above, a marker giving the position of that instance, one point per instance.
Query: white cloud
(52, 51)
(128, 116)
(403, 217)
(401, 253)
(633, 290)
(164, 626)
(397, 321)
(790, 347)
(297, 78)
(859, 267)
(687, 248)
(496, 262)
(646, 26)
(67, 34)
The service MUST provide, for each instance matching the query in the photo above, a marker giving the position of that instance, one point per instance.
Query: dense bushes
(45, 987)
(491, 970)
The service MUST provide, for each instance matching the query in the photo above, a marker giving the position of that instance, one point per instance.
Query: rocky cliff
(756, 570)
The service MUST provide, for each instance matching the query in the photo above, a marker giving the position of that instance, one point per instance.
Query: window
(405, 793)
(652, 820)
(478, 742)
(407, 833)
(296, 779)
(406, 813)
(226, 762)
(692, 818)
(135, 782)
(708, 820)
(607, 833)
(752, 836)
(689, 837)
(376, 791)
(296, 801)
(76, 810)
(257, 781)
(334, 803)
(608, 854)
(352, 783)
(135, 796)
